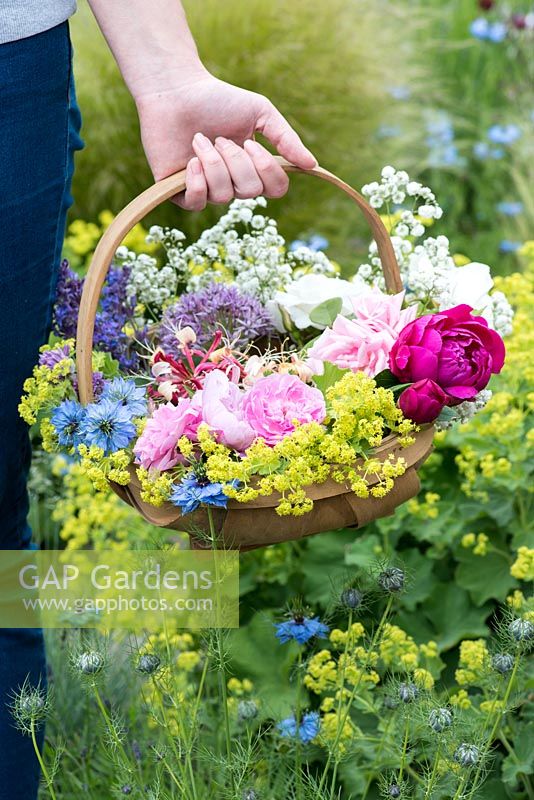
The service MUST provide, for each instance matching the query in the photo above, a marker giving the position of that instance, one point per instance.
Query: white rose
(300, 297)
(470, 284)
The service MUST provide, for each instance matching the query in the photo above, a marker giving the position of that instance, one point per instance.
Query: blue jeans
(39, 131)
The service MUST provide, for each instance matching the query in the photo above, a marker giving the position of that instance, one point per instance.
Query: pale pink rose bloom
(156, 448)
(273, 404)
(363, 343)
(221, 402)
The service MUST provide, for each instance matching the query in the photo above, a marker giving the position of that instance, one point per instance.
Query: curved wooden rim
(147, 201)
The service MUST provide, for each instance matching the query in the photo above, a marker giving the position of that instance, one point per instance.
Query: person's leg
(39, 127)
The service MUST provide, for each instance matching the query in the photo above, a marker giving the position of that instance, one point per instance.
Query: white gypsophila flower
(300, 297)
(462, 413)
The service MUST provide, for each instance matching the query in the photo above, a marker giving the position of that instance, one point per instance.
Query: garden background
(445, 90)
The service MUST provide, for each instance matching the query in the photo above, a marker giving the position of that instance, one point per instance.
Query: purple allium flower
(191, 492)
(52, 357)
(241, 317)
(308, 728)
(301, 629)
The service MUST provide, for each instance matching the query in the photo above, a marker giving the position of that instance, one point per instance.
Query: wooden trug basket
(246, 526)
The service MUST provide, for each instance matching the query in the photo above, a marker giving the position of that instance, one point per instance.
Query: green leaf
(420, 578)
(363, 551)
(331, 374)
(256, 654)
(325, 313)
(484, 577)
(324, 566)
(522, 760)
(453, 617)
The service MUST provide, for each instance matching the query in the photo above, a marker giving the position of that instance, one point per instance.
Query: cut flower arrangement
(237, 368)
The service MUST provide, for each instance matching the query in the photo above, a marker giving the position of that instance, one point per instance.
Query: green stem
(298, 748)
(376, 762)
(404, 749)
(40, 759)
(346, 713)
(432, 780)
(220, 652)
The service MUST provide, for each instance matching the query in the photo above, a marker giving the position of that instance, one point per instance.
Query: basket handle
(147, 201)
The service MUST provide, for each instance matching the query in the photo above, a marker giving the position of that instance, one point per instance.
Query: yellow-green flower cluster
(360, 415)
(478, 541)
(100, 468)
(427, 508)
(86, 517)
(155, 486)
(46, 387)
(523, 566)
(474, 663)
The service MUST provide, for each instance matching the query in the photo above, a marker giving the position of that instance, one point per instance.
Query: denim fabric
(39, 131)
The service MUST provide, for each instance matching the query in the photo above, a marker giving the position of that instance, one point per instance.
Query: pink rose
(222, 409)
(453, 348)
(273, 404)
(422, 401)
(363, 344)
(156, 447)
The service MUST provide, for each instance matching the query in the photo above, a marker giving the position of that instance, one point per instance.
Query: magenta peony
(156, 447)
(222, 411)
(422, 401)
(453, 348)
(273, 404)
(364, 342)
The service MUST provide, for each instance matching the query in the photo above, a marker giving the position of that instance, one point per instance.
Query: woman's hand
(209, 125)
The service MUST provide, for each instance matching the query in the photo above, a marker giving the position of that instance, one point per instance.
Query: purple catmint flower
(116, 309)
(241, 317)
(99, 383)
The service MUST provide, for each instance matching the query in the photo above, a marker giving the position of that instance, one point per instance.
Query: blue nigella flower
(192, 492)
(507, 246)
(504, 134)
(67, 420)
(509, 209)
(301, 629)
(127, 394)
(308, 728)
(315, 242)
(108, 425)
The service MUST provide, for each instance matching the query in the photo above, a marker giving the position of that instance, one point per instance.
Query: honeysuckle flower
(67, 420)
(193, 492)
(308, 729)
(300, 629)
(363, 342)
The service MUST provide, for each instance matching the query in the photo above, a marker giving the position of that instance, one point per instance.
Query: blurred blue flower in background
(504, 134)
(509, 209)
(507, 246)
(440, 141)
(483, 151)
(388, 131)
(481, 28)
(315, 242)
(400, 92)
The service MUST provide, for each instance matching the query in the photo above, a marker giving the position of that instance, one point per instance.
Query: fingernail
(194, 166)
(202, 142)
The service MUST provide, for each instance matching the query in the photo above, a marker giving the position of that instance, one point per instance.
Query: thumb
(274, 126)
